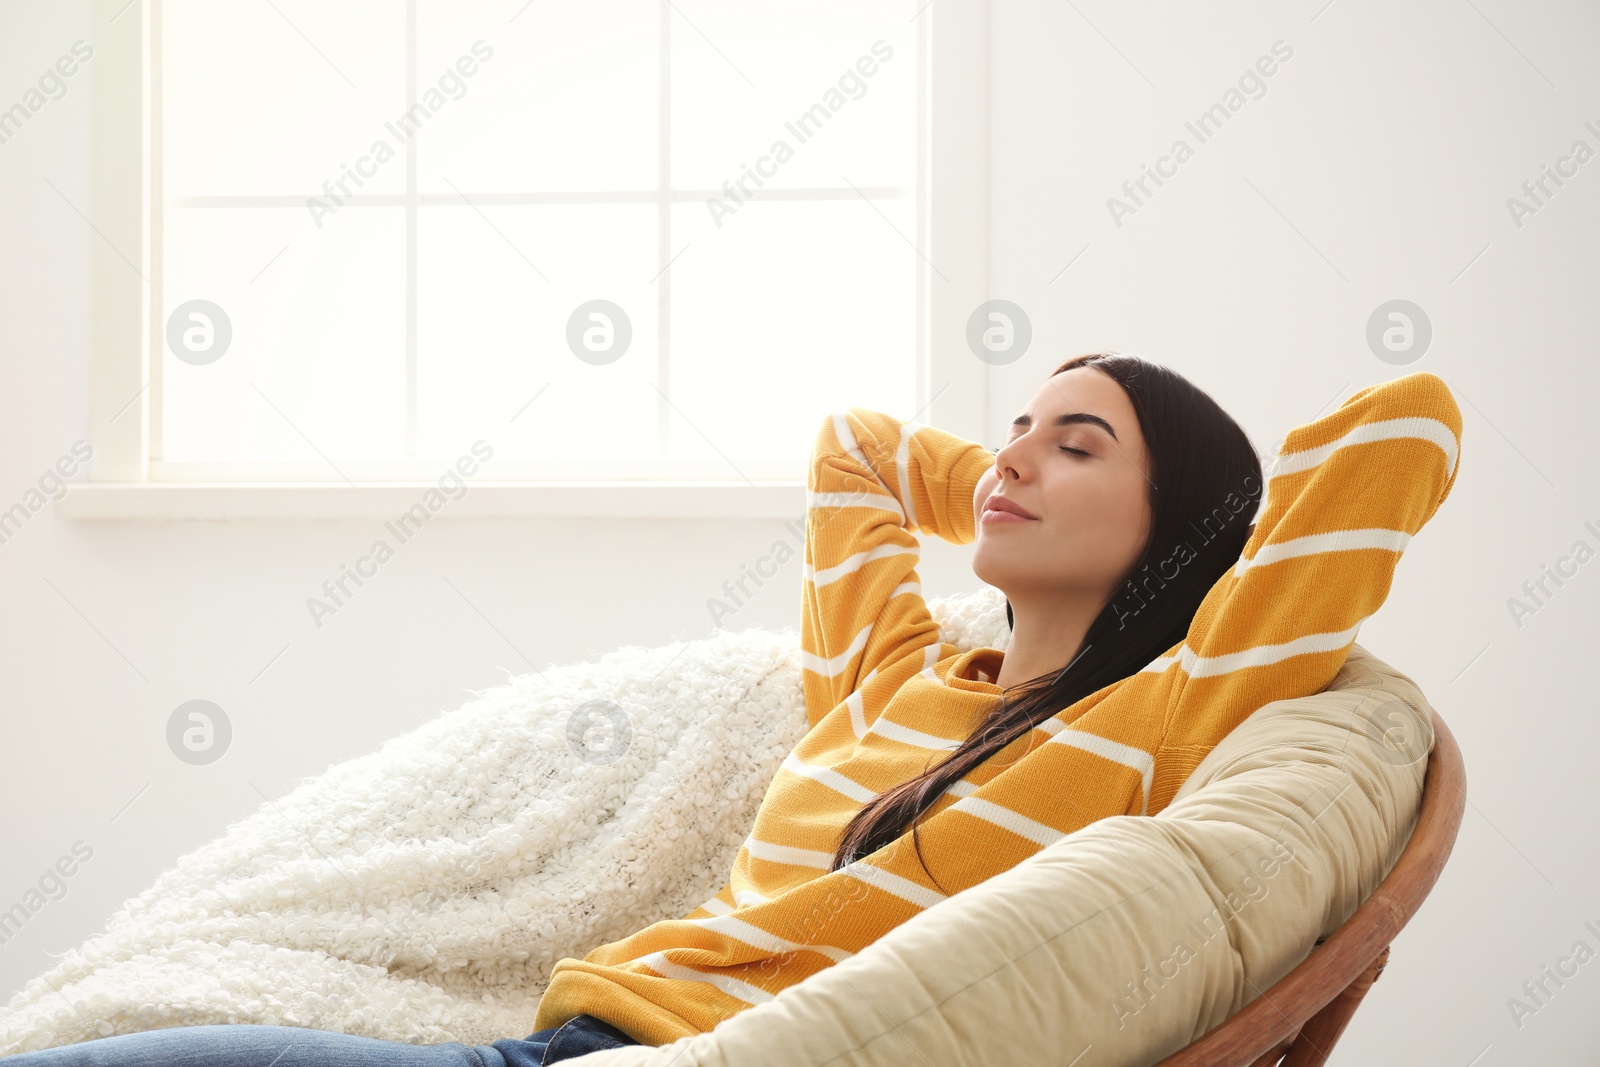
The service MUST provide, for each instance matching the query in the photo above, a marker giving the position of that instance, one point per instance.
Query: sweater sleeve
(1344, 497)
(873, 483)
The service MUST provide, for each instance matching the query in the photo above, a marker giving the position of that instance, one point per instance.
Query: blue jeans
(252, 1045)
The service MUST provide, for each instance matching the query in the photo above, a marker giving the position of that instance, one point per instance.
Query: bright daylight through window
(622, 240)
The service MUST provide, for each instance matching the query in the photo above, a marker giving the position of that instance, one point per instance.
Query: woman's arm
(873, 482)
(1344, 498)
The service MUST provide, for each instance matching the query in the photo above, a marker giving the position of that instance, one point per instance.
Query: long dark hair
(1204, 488)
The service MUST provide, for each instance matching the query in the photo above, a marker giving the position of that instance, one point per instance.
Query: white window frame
(126, 338)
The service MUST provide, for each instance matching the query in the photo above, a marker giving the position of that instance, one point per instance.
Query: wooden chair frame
(1303, 1014)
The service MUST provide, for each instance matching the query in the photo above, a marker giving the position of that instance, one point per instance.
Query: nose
(1005, 460)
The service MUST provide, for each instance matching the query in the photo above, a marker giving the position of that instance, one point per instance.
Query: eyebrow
(1072, 417)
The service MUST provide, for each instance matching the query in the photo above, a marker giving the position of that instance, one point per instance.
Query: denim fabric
(581, 1034)
(251, 1045)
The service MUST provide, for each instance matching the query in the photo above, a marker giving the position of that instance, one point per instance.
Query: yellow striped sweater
(884, 697)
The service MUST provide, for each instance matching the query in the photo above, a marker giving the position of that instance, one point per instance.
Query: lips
(1000, 503)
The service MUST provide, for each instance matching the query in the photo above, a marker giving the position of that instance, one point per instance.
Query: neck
(1045, 638)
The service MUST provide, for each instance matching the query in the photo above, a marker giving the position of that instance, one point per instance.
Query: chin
(988, 573)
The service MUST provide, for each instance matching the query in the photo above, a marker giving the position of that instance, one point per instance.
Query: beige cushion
(1279, 834)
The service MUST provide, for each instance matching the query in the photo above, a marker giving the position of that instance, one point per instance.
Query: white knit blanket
(423, 892)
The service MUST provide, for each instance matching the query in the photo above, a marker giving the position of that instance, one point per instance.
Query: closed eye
(1074, 451)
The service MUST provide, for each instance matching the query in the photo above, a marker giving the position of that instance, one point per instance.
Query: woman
(1112, 517)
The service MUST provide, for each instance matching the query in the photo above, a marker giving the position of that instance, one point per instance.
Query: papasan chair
(423, 892)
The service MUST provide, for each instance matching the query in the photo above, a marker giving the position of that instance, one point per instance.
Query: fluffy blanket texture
(423, 892)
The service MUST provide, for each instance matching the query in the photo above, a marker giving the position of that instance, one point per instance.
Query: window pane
(279, 98)
(791, 310)
(779, 310)
(493, 331)
(318, 336)
(568, 99)
(746, 76)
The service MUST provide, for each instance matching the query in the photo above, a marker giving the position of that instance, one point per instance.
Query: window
(382, 235)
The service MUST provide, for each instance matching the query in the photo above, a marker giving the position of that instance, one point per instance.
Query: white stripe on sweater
(906, 735)
(858, 716)
(1158, 665)
(828, 668)
(879, 501)
(1333, 541)
(847, 437)
(847, 441)
(754, 936)
(892, 884)
(857, 703)
(794, 857)
(1264, 655)
(902, 466)
(1003, 817)
(853, 563)
(1418, 426)
(1115, 751)
(716, 907)
(744, 991)
(828, 777)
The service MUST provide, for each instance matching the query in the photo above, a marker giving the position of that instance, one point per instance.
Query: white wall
(198, 609)
(1376, 166)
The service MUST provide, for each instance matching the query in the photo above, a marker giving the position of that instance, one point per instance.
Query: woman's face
(1092, 511)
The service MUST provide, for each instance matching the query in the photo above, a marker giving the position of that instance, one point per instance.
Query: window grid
(413, 200)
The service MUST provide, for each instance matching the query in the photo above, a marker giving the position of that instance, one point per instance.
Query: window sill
(389, 500)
